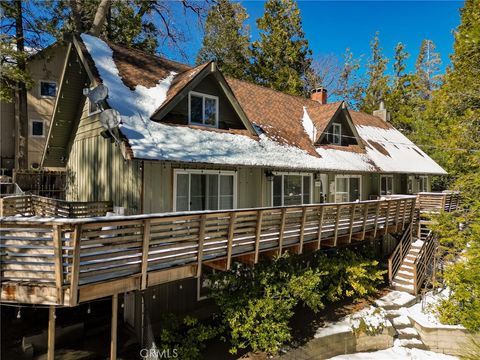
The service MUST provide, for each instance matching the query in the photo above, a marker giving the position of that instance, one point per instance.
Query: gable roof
(287, 126)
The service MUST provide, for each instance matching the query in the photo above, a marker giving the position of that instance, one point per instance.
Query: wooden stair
(405, 277)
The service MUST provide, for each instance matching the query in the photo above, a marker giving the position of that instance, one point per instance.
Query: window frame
(333, 134)
(189, 172)
(282, 174)
(424, 179)
(40, 89)
(393, 185)
(360, 193)
(203, 96)
(30, 133)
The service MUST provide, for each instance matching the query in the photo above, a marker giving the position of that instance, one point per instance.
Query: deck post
(231, 229)
(282, 230)
(365, 217)
(320, 226)
(51, 333)
(397, 215)
(258, 232)
(201, 238)
(146, 246)
(75, 265)
(302, 229)
(337, 220)
(352, 218)
(113, 339)
(377, 213)
(58, 259)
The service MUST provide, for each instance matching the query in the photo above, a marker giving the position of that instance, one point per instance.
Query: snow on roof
(151, 140)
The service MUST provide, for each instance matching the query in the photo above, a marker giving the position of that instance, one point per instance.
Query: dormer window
(203, 109)
(335, 134)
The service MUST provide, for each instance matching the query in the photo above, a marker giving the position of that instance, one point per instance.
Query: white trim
(210, 172)
(203, 96)
(333, 134)
(347, 177)
(380, 185)
(282, 174)
(30, 130)
(40, 89)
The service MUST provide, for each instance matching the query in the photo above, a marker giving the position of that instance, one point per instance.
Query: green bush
(187, 336)
(256, 303)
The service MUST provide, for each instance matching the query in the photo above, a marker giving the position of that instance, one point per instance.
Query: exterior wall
(97, 170)
(45, 66)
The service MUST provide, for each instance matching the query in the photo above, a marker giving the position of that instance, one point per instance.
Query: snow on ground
(396, 353)
(425, 313)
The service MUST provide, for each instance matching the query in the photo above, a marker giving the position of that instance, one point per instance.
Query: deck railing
(33, 205)
(438, 201)
(423, 261)
(82, 259)
(396, 258)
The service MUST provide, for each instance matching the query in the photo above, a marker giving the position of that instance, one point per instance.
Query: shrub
(371, 322)
(256, 303)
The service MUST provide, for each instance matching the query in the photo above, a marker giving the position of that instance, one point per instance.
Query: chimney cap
(318, 89)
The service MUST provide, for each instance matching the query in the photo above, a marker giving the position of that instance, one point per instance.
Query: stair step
(414, 250)
(403, 287)
(392, 314)
(405, 273)
(406, 267)
(403, 280)
(408, 261)
(410, 343)
(408, 333)
(401, 322)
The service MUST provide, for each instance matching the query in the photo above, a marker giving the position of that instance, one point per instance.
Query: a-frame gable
(349, 133)
(191, 82)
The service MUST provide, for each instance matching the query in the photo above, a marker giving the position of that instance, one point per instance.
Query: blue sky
(333, 26)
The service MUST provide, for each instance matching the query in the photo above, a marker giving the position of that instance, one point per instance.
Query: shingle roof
(278, 115)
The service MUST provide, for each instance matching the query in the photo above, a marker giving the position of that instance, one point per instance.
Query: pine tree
(377, 80)
(427, 68)
(399, 99)
(281, 56)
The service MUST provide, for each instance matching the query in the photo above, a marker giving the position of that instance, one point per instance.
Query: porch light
(269, 175)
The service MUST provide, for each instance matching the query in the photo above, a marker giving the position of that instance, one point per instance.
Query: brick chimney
(319, 94)
(382, 113)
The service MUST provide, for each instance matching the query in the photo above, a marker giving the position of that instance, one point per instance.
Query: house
(44, 68)
(193, 139)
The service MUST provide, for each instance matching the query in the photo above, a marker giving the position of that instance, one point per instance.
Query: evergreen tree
(281, 56)
(377, 80)
(226, 39)
(350, 83)
(427, 68)
(399, 100)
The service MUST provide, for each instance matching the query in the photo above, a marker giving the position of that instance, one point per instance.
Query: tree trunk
(76, 8)
(21, 107)
(100, 17)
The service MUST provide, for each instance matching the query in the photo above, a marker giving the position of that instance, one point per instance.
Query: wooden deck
(64, 262)
(434, 202)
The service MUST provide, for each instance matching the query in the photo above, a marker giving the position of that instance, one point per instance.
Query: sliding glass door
(348, 188)
(204, 190)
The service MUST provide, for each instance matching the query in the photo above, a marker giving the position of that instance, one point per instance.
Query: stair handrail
(424, 257)
(401, 250)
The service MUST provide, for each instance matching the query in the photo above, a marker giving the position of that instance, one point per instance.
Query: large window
(48, 88)
(423, 183)
(204, 190)
(335, 134)
(203, 109)
(386, 184)
(289, 189)
(348, 188)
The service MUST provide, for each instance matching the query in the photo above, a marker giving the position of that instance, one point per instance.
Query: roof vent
(382, 112)
(319, 94)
